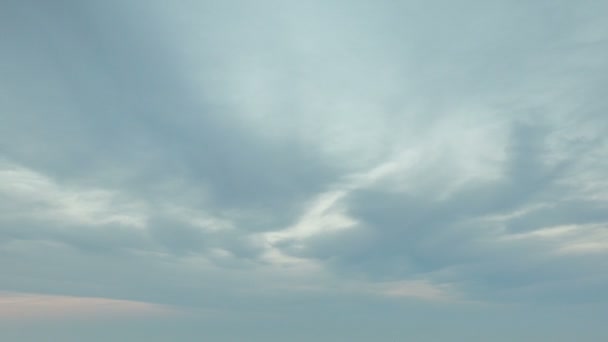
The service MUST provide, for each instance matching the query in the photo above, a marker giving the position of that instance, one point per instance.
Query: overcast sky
(321, 170)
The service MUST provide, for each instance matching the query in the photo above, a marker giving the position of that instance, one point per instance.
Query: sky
(333, 170)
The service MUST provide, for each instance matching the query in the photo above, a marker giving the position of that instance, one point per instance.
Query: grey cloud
(418, 235)
(286, 162)
(124, 114)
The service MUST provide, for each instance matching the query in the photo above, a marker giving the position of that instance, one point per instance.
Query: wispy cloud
(20, 306)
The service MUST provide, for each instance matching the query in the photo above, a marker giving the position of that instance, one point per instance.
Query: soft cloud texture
(327, 170)
(18, 306)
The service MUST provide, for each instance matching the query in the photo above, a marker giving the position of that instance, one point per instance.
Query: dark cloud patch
(567, 212)
(118, 111)
(101, 239)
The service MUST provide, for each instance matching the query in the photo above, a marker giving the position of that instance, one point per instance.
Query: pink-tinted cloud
(39, 306)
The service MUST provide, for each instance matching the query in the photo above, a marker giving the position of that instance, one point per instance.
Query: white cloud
(32, 194)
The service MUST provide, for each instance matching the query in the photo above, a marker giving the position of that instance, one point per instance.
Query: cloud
(36, 306)
(487, 235)
(90, 207)
(346, 157)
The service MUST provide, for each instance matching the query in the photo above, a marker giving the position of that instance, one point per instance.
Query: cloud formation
(17, 306)
(356, 158)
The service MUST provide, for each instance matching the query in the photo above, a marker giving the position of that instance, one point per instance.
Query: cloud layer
(249, 158)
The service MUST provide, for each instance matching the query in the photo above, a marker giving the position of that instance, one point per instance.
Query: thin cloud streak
(24, 306)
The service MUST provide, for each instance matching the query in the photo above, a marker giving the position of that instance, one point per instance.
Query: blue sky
(303, 170)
